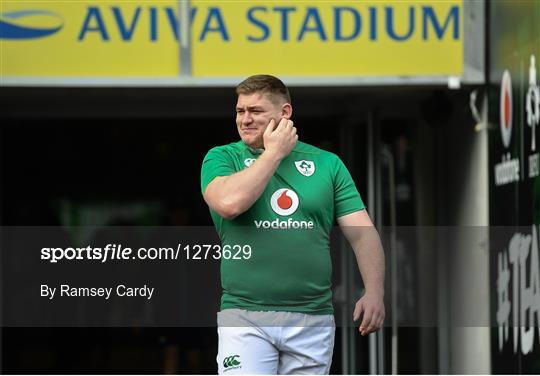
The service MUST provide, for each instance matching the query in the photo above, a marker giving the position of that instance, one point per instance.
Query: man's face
(253, 114)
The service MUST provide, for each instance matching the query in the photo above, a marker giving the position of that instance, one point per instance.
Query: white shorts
(254, 342)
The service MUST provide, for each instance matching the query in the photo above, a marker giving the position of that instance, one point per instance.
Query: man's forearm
(232, 195)
(370, 259)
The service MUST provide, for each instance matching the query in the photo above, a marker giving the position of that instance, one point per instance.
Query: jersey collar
(261, 150)
(255, 151)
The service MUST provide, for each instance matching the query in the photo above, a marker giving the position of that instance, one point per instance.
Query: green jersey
(287, 229)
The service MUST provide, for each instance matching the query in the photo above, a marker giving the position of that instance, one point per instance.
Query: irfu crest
(306, 168)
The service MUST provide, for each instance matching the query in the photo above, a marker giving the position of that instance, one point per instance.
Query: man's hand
(232, 195)
(280, 140)
(372, 306)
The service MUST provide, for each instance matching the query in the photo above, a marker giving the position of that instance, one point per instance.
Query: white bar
(188, 81)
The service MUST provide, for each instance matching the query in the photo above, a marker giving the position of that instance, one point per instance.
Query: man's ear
(286, 110)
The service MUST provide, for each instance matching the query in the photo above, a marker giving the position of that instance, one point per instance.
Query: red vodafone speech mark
(284, 201)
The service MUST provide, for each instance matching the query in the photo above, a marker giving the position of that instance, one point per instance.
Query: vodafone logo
(506, 108)
(507, 171)
(284, 201)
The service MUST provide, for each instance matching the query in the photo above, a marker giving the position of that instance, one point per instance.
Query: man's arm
(230, 196)
(364, 239)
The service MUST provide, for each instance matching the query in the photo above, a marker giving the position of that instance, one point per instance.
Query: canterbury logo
(231, 361)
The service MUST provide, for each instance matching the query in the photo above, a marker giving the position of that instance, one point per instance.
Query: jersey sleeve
(346, 197)
(217, 162)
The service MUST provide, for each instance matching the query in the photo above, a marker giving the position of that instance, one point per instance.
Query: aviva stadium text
(288, 23)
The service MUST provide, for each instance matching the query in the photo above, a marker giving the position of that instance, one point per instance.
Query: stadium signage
(98, 39)
(532, 110)
(423, 21)
(518, 292)
(507, 171)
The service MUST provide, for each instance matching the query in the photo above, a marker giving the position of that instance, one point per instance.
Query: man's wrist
(271, 156)
(375, 291)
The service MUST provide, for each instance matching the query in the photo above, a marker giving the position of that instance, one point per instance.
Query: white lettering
(514, 261)
(122, 290)
(534, 165)
(527, 333)
(525, 302)
(48, 291)
(507, 171)
(534, 284)
(503, 300)
(66, 290)
(284, 225)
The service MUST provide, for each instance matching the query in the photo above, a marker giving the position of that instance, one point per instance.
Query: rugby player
(281, 196)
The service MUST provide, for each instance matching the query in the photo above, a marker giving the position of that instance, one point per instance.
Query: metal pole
(389, 158)
(373, 202)
(345, 290)
(352, 271)
(1, 249)
(184, 18)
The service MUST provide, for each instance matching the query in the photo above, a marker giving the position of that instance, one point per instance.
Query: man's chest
(300, 189)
